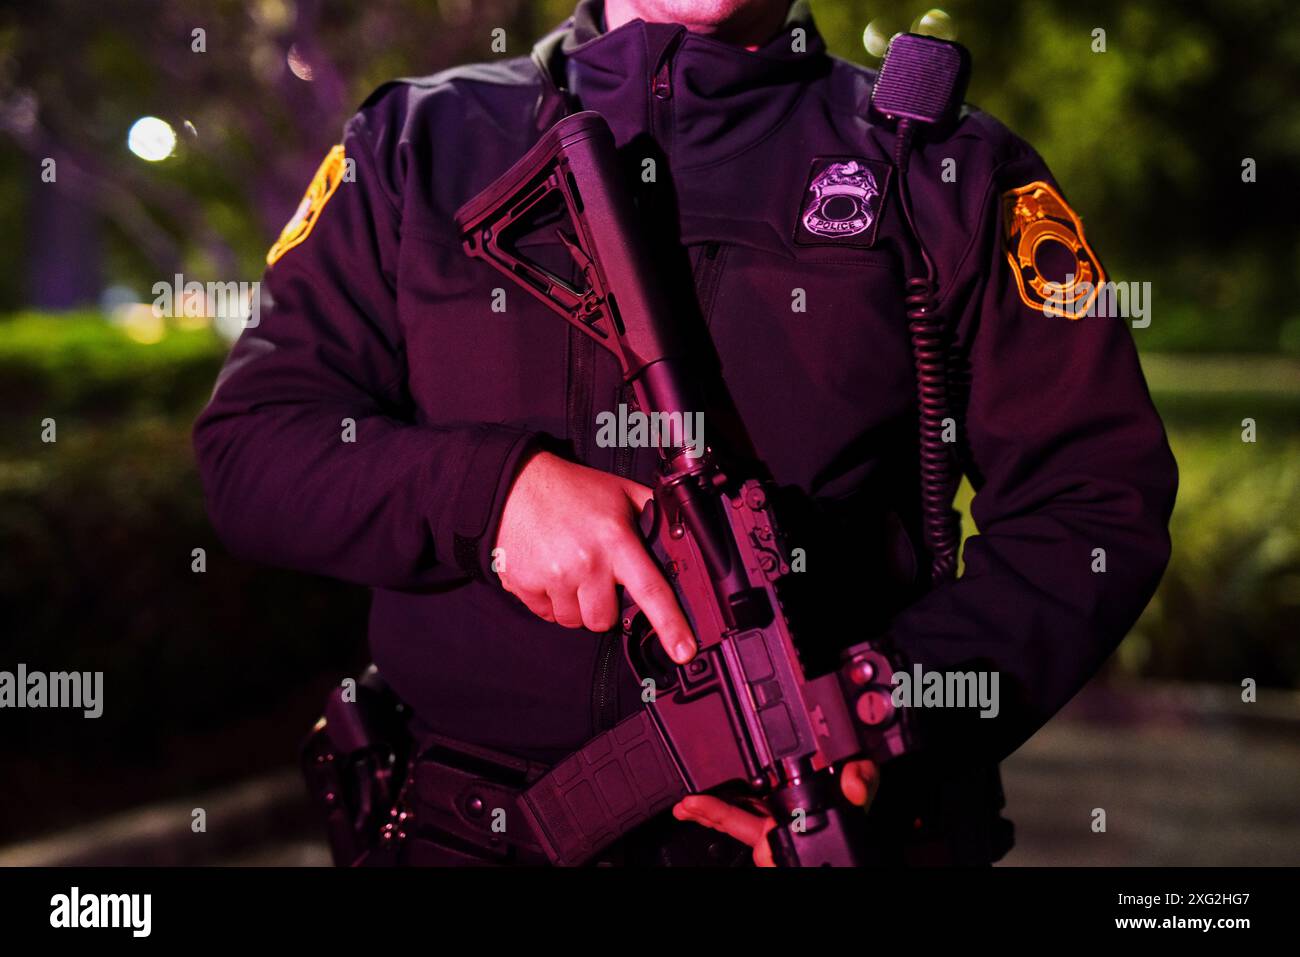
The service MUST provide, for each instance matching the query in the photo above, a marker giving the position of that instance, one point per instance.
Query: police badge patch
(842, 202)
(322, 187)
(1056, 270)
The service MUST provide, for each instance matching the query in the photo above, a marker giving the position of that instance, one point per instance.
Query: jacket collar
(699, 99)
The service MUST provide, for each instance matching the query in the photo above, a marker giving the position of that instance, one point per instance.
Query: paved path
(1179, 788)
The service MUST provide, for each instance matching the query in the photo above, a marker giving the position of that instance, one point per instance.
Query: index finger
(637, 572)
(859, 780)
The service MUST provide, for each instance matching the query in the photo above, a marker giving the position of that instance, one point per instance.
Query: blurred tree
(256, 90)
(1147, 137)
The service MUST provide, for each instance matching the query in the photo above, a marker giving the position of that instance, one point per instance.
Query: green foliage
(208, 675)
(79, 365)
(1229, 605)
(106, 521)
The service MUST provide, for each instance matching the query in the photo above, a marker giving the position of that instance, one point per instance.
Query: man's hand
(569, 535)
(859, 780)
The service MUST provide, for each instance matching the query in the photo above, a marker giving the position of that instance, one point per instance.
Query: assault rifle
(742, 711)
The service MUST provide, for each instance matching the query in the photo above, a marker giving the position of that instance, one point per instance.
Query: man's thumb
(638, 493)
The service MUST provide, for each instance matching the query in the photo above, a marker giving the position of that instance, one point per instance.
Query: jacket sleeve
(308, 452)
(1068, 456)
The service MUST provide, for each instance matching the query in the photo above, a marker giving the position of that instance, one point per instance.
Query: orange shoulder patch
(322, 187)
(1055, 268)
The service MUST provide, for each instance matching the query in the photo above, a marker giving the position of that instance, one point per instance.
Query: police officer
(389, 423)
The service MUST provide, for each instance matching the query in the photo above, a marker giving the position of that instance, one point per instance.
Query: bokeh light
(151, 139)
(877, 35)
(298, 64)
(935, 23)
(141, 322)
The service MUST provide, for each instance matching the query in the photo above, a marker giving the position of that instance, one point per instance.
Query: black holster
(388, 799)
(355, 761)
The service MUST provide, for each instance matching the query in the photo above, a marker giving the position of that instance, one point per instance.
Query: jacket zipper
(582, 355)
(662, 84)
(603, 698)
(707, 272)
(605, 715)
(623, 455)
(661, 91)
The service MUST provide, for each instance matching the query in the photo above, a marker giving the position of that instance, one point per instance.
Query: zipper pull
(662, 86)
